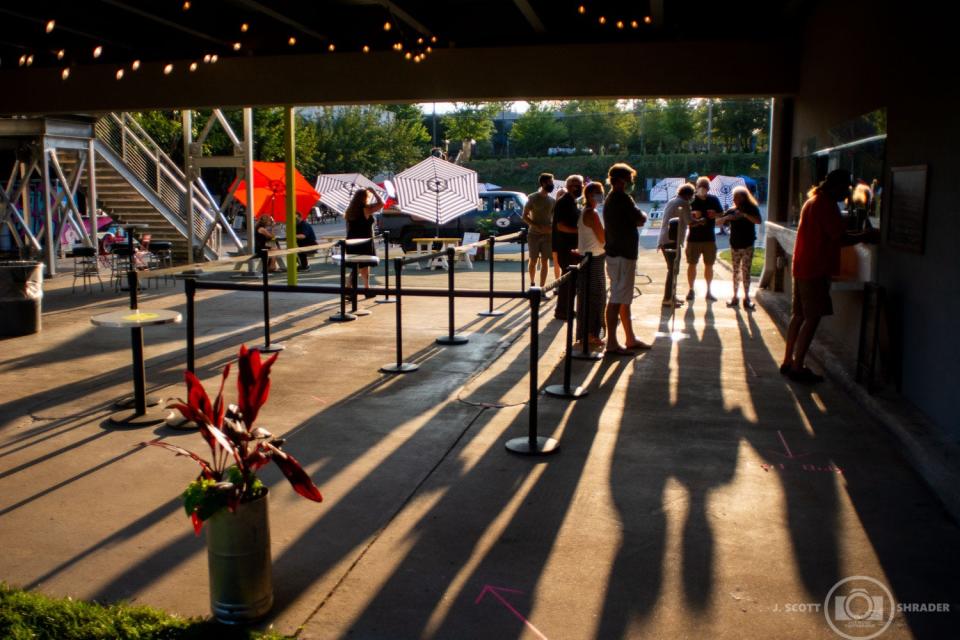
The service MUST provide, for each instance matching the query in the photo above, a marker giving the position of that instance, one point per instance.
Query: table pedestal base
(130, 418)
(542, 446)
(491, 314)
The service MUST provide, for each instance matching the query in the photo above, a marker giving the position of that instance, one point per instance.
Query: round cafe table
(135, 320)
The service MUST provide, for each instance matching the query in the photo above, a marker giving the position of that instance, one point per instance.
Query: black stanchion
(343, 316)
(190, 287)
(267, 347)
(533, 444)
(451, 339)
(399, 366)
(565, 390)
(491, 243)
(523, 262)
(586, 352)
(386, 269)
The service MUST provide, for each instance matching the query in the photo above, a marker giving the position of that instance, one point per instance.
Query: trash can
(21, 293)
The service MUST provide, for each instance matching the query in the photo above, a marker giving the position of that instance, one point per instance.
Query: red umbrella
(270, 190)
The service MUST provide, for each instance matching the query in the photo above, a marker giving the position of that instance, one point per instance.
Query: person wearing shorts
(538, 216)
(701, 241)
(621, 219)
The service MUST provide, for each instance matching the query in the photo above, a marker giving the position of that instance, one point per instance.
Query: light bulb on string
(23, 60)
(433, 39)
(603, 20)
(193, 67)
(408, 55)
(168, 69)
(331, 47)
(51, 25)
(647, 19)
(97, 51)
(236, 46)
(61, 53)
(581, 9)
(619, 24)
(244, 27)
(65, 73)
(292, 41)
(214, 58)
(135, 65)
(387, 26)
(206, 59)
(29, 59)
(119, 74)
(186, 6)
(634, 24)
(366, 49)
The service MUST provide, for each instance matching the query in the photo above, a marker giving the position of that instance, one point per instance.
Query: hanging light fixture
(97, 51)
(193, 67)
(292, 41)
(135, 65)
(331, 47)
(168, 69)
(65, 73)
(51, 25)
(61, 53)
(244, 27)
(236, 46)
(119, 74)
(366, 49)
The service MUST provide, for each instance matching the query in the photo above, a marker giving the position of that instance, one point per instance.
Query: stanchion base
(491, 314)
(590, 355)
(403, 367)
(559, 391)
(361, 312)
(130, 418)
(385, 300)
(129, 402)
(542, 446)
(452, 340)
(273, 347)
(342, 317)
(176, 421)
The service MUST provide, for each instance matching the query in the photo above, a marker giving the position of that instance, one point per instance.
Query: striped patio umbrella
(722, 187)
(665, 189)
(336, 189)
(437, 190)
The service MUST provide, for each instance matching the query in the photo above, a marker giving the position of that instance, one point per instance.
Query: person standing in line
(359, 217)
(565, 217)
(590, 239)
(816, 258)
(562, 191)
(676, 218)
(701, 241)
(622, 218)
(538, 216)
(743, 216)
(305, 238)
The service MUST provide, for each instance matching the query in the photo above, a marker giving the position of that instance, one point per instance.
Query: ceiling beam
(530, 15)
(167, 23)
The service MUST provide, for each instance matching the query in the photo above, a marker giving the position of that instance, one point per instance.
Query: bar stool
(85, 267)
(162, 251)
(121, 264)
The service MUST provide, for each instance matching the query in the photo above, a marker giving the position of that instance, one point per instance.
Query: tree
(471, 122)
(537, 130)
(405, 139)
(597, 124)
(678, 125)
(741, 123)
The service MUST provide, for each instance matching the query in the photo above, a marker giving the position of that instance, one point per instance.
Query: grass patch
(26, 615)
(756, 267)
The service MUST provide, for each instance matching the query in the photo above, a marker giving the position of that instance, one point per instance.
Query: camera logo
(859, 608)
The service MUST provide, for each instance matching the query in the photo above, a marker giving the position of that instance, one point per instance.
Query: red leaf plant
(238, 450)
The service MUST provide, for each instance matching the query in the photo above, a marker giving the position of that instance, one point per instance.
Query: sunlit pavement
(696, 494)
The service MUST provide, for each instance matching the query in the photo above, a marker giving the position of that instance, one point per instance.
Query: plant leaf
(205, 467)
(218, 405)
(295, 474)
(197, 396)
(253, 383)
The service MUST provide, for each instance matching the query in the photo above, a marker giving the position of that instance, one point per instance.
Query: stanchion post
(533, 444)
(343, 316)
(523, 262)
(267, 346)
(399, 366)
(386, 268)
(451, 339)
(190, 286)
(564, 390)
(491, 243)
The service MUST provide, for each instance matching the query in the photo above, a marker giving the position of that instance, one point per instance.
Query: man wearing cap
(538, 216)
(816, 258)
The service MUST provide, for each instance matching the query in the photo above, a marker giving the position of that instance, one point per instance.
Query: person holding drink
(743, 216)
(701, 241)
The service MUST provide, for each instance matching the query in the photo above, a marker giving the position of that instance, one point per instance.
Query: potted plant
(487, 226)
(228, 496)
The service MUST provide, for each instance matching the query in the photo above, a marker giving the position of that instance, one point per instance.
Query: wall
(859, 56)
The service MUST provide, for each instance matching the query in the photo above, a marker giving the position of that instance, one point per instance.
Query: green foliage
(597, 124)
(756, 265)
(536, 131)
(26, 615)
(471, 121)
(166, 130)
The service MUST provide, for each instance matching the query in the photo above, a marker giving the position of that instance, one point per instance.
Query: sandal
(734, 303)
(749, 306)
(619, 351)
(641, 346)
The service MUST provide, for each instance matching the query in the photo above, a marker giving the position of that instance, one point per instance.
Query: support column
(25, 173)
(50, 248)
(778, 179)
(187, 121)
(248, 174)
(290, 144)
(92, 187)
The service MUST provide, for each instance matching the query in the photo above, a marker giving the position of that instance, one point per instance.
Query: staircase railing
(125, 137)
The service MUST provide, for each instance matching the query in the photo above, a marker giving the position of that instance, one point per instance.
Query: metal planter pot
(238, 555)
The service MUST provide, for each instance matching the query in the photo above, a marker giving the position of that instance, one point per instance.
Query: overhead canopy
(270, 190)
(437, 190)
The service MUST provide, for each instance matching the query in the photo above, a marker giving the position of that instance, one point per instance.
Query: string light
(214, 58)
(429, 49)
(51, 25)
(581, 9)
(408, 55)
(433, 39)
(292, 41)
(387, 26)
(29, 59)
(244, 27)
(61, 54)
(236, 46)
(65, 73)
(193, 67)
(634, 24)
(417, 59)
(186, 6)
(167, 70)
(97, 51)
(23, 60)
(366, 49)
(206, 59)
(419, 40)
(647, 19)
(603, 20)
(331, 47)
(135, 65)
(619, 24)
(119, 74)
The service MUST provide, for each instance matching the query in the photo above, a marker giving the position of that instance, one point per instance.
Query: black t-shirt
(565, 211)
(620, 219)
(702, 230)
(304, 228)
(743, 233)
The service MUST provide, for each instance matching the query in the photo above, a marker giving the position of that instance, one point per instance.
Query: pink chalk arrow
(789, 454)
(496, 593)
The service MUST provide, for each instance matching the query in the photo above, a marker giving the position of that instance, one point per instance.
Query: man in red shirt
(816, 257)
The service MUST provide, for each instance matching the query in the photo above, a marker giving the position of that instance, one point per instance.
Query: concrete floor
(697, 494)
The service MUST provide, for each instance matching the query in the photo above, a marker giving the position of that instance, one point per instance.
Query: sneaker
(805, 376)
(691, 295)
(710, 297)
(749, 306)
(734, 303)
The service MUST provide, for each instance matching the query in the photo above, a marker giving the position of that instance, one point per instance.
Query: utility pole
(709, 124)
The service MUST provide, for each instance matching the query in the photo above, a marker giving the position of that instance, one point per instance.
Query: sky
(446, 107)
